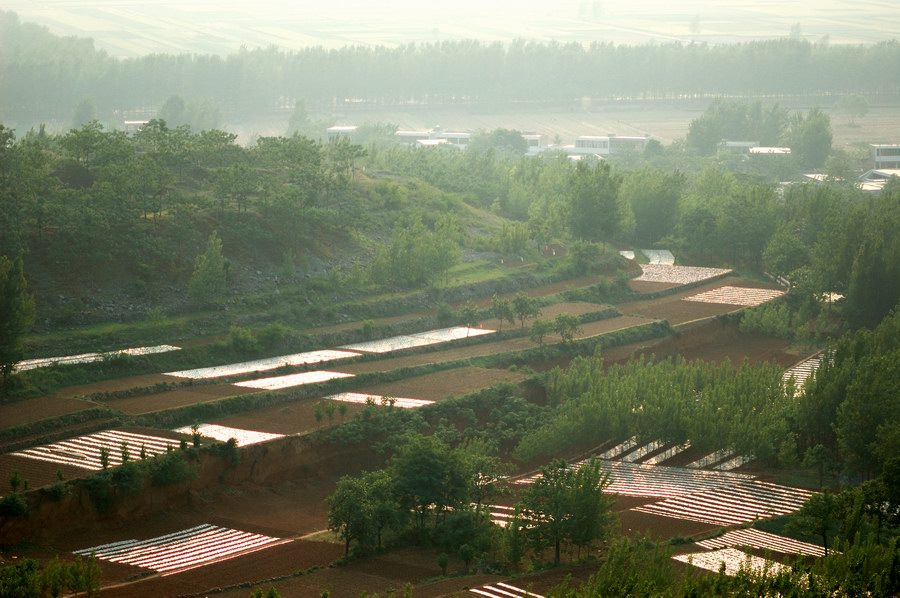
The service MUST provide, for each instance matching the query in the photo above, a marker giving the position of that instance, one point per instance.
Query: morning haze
(458, 299)
(135, 28)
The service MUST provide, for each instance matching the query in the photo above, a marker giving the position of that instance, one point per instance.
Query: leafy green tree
(428, 477)
(539, 330)
(818, 517)
(16, 314)
(207, 284)
(507, 141)
(502, 310)
(469, 315)
(810, 137)
(594, 210)
(525, 307)
(566, 326)
(349, 512)
(653, 196)
(566, 505)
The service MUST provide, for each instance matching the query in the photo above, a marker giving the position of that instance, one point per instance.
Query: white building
(605, 145)
(886, 156)
(339, 131)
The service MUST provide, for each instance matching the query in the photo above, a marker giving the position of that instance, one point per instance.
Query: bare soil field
(115, 385)
(633, 523)
(182, 397)
(378, 574)
(645, 286)
(441, 385)
(37, 473)
(297, 417)
(32, 410)
(264, 564)
(575, 308)
(480, 350)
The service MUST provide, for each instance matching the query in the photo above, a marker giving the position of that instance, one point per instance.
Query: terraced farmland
(761, 540)
(225, 433)
(182, 550)
(503, 590)
(734, 561)
(743, 296)
(740, 501)
(678, 274)
(84, 451)
(363, 399)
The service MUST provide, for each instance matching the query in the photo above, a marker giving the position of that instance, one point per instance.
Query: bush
(241, 340)
(13, 505)
(169, 469)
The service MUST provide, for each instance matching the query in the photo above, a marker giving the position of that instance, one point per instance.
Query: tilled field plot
(173, 399)
(86, 451)
(32, 410)
(440, 385)
(733, 559)
(37, 473)
(289, 418)
(257, 566)
(741, 296)
(182, 550)
(677, 274)
(761, 540)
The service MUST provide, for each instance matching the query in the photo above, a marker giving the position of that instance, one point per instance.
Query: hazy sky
(136, 27)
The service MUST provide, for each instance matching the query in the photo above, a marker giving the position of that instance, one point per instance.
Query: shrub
(13, 505)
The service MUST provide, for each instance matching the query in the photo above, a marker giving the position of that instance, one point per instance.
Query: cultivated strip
(741, 296)
(678, 274)
(264, 365)
(291, 380)
(224, 433)
(31, 364)
(503, 590)
(362, 398)
(740, 502)
(84, 451)
(761, 540)
(180, 550)
(667, 454)
(642, 452)
(421, 339)
(734, 561)
(711, 459)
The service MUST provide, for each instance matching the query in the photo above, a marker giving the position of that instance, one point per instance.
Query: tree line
(46, 76)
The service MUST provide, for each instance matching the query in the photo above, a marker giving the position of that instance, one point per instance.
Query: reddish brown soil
(440, 385)
(378, 574)
(646, 286)
(38, 473)
(297, 417)
(119, 384)
(661, 528)
(32, 410)
(182, 397)
(480, 350)
(264, 564)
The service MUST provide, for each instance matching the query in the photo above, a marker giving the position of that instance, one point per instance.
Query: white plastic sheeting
(734, 560)
(279, 382)
(659, 256)
(381, 400)
(224, 433)
(31, 364)
(678, 274)
(264, 365)
(420, 339)
(186, 549)
(741, 296)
